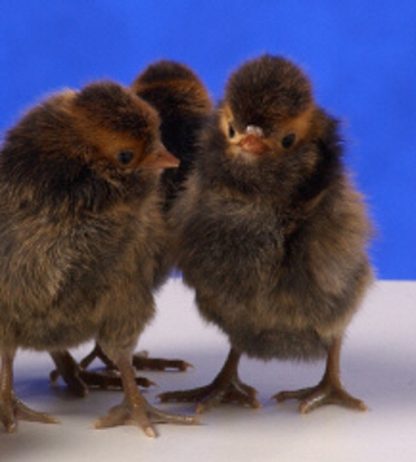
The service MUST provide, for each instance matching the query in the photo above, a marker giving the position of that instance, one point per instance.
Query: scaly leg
(225, 388)
(328, 391)
(11, 408)
(135, 409)
(79, 381)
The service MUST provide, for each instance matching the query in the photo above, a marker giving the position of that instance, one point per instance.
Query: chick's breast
(229, 251)
(275, 295)
(279, 283)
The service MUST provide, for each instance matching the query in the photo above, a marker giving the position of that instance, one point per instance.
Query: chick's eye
(288, 140)
(125, 157)
(231, 131)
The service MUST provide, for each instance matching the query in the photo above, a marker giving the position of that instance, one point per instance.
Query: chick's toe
(141, 361)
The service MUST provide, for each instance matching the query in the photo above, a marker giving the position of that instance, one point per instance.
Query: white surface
(378, 365)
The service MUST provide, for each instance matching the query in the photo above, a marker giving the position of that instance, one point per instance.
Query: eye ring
(125, 157)
(288, 140)
(231, 130)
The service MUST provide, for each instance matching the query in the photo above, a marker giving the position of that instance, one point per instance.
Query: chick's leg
(225, 388)
(79, 380)
(11, 408)
(135, 409)
(328, 391)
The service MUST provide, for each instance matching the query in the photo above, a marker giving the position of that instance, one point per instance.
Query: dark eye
(125, 157)
(231, 131)
(288, 140)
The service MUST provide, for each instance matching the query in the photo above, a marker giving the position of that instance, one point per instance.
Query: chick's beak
(253, 144)
(159, 158)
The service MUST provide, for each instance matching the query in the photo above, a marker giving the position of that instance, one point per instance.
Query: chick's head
(181, 100)
(175, 83)
(267, 109)
(119, 130)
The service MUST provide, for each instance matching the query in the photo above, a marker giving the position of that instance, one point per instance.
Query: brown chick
(272, 235)
(80, 224)
(184, 107)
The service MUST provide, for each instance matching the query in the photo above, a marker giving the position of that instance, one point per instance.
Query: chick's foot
(207, 397)
(324, 393)
(135, 409)
(143, 415)
(12, 410)
(79, 381)
(226, 388)
(141, 361)
(328, 391)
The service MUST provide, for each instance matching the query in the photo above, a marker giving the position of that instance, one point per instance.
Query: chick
(80, 224)
(184, 107)
(272, 235)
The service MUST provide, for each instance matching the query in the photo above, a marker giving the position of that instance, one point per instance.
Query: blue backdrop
(360, 54)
